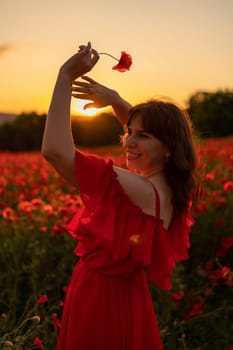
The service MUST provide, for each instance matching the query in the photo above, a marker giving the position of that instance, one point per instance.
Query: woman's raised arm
(58, 145)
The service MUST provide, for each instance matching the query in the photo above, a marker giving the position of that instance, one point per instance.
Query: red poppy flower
(38, 343)
(228, 186)
(196, 309)
(224, 272)
(124, 63)
(177, 296)
(56, 322)
(227, 242)
(42, 299)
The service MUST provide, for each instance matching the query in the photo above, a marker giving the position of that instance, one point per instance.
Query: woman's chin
(131, 166)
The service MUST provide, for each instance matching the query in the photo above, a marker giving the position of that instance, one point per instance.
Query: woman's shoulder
(130, 178)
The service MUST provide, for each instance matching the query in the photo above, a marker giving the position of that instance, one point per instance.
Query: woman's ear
(167, 155)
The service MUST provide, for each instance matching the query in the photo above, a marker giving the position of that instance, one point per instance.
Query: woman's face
(144, 152)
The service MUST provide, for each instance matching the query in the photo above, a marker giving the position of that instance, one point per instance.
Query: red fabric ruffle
(111, 220)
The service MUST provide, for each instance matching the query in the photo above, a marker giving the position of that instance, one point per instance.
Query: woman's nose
(130, 141)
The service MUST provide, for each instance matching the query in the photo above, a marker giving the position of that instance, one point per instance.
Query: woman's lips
(132, 156)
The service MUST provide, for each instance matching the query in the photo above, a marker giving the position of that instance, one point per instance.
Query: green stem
(108, 54)
(6, 335)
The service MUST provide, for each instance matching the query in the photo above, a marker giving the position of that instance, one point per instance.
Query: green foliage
(25, 133)
(212, 113)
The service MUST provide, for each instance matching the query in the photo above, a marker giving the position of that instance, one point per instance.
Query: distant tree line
(25, 133)
(211, 113)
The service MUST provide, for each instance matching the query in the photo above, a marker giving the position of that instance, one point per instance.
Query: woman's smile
(132, 155)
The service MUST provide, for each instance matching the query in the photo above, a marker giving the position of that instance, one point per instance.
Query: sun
(77, 108)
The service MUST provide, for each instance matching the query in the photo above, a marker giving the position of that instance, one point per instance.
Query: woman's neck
(151, 174)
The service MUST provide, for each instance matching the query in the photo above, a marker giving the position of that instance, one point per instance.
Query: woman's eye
(143, 136)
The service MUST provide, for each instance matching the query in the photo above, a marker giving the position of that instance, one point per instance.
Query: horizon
(177, 48)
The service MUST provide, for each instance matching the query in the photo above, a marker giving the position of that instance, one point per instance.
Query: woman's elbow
(48, 154)
(58, 158)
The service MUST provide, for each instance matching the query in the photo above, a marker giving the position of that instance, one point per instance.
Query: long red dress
(108, 304)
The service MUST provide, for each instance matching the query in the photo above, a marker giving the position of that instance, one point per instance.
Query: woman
(131, 220)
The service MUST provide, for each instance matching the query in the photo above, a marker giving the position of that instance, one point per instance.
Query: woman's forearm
(58, 140)
(121, 108)
(58, 145)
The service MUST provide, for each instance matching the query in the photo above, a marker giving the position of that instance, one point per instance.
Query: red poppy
(224, 272)
(8, 214)
(124, 63)
(177, 296)
(196, 309)
(227, 242)
(228, 186)
(221, 201)
(56, 322)
(42, 299)
(38, 343)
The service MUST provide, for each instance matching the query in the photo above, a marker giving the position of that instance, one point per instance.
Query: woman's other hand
(92, 90)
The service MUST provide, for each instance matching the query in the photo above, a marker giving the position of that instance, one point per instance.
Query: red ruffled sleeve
(110, 219)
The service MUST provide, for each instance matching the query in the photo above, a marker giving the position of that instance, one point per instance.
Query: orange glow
(32, 58)
(77, 108)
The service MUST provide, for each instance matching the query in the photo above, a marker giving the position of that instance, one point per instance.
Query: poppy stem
(108, 54)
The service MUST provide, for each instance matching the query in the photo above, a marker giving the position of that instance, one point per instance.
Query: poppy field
(36, 255)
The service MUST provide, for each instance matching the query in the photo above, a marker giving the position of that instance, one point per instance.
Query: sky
(178, 47)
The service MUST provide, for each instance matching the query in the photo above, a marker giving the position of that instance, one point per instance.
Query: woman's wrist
(117, 101)
(114, 98)
(64, 76)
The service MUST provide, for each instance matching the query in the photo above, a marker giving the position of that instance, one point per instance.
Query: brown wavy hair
(173, 127)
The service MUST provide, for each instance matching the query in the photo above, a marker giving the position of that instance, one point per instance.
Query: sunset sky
(178, 47)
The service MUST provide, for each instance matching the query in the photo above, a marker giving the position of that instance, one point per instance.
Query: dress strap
(157, 201)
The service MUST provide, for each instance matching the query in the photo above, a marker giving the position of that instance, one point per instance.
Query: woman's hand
(80, 63)
(91, 90)
(101, 97)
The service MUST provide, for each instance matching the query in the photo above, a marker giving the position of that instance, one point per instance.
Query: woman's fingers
(82, 96)
(91, 83)
(90, 80)
(81, 87)
(85, 47)
(80, 83)
(94, 56)
(82, 90)
(90, 105)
